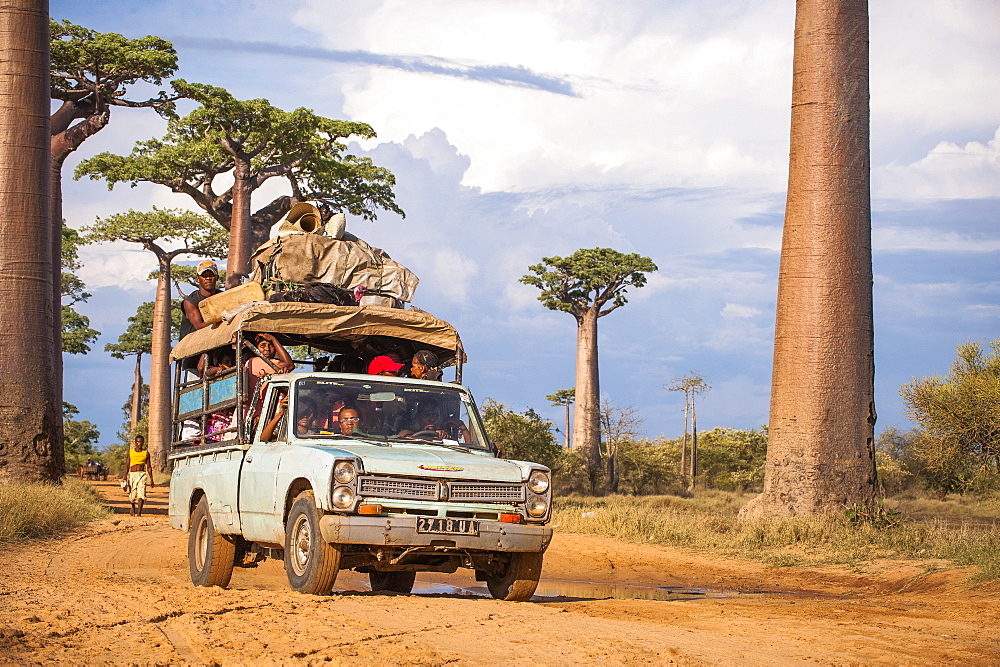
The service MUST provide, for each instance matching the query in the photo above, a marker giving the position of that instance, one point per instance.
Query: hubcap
(201, 544)
(300, 545)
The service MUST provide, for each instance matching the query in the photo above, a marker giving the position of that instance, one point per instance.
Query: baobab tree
(589, 284)
(565, 398)
(136, 341)
(31, 447)
(196, 235)
(90, 74)
(820, 453)
(245, 143)
(692, 385)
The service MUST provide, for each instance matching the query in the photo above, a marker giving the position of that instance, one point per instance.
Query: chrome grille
(486, 492)
(395, 487)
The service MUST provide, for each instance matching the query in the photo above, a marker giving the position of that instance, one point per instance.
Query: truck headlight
(538, 481)
(344, 472)
(343, 497)
(537, 506)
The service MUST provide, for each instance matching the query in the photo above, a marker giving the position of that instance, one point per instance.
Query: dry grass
(709, 522)
(40, 510)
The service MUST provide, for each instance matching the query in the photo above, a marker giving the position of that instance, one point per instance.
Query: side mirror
(499, 449)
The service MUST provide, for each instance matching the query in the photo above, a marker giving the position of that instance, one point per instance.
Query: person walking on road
(140, 473)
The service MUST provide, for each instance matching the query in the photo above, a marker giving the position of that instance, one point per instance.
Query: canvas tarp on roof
(324, 322)
(348, 263)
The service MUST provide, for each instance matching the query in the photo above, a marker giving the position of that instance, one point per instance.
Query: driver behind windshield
(351, 422)
(428, 422)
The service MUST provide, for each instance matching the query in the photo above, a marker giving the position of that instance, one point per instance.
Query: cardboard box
(214, 306)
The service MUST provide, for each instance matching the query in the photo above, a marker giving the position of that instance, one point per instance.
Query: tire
(211, 556)
(396, 582)
(311, 563)
(518, 582)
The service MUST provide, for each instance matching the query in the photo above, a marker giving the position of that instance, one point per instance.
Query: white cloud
(453, 274)
(655, 95)
(734, 311)
(117, 265)
(895, 238)
(948, 171)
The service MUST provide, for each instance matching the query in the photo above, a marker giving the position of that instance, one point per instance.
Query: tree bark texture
(31, 446)
(158, 441)
(586, 408)
(240, 236)
(566, 432)
(694, 443)
(820, 449)
(134, 416)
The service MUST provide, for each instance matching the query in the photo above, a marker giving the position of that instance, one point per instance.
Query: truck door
(259, 511)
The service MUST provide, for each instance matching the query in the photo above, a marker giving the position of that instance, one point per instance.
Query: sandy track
(119, 591)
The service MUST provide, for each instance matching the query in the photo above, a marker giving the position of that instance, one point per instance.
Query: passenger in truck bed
(423, 366)
(384, 365)
(275, 352)
(219, 361)
(257, 368)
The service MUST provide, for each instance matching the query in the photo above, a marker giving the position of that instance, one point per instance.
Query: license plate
(447, 526)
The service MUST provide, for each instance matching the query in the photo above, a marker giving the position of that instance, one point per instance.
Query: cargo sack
(348, 263)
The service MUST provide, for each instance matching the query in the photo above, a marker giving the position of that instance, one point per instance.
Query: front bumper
(402, 532)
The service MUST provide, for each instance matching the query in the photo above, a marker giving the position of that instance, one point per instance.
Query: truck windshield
(386, 411)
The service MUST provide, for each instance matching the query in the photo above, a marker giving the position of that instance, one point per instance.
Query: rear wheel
(311, 563)
(211, 556)
(397, 582)
(518, 582)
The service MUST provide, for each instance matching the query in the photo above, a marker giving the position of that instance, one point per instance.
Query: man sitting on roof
(207, 277)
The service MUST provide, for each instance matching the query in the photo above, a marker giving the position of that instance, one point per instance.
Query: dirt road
(118, 591)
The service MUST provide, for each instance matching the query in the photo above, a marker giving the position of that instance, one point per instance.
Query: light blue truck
(409, 482)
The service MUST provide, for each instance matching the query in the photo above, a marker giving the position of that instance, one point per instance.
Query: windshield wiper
(438, 443)
(378, 439)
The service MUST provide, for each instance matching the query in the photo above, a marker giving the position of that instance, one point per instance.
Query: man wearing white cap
(207, 277)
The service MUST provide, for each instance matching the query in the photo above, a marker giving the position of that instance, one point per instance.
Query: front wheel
(211, 556)
(518, 581)
(311, 563)
(397, 582)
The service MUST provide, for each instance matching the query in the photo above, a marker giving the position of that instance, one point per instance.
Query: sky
(520, 130)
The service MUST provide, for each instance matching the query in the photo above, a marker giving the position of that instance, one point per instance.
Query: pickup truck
(410, 483)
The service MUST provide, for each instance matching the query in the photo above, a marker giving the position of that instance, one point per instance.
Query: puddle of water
(554, 589)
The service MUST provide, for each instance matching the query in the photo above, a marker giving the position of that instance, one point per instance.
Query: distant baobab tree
(564, 397)
(588, 285)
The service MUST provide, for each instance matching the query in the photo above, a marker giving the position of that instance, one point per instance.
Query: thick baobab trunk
(31, 447)
(820, 448)
(158, 441)
(63, 141)
(586, 415)
(240, 238)
(134, 417)
(611, 477)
